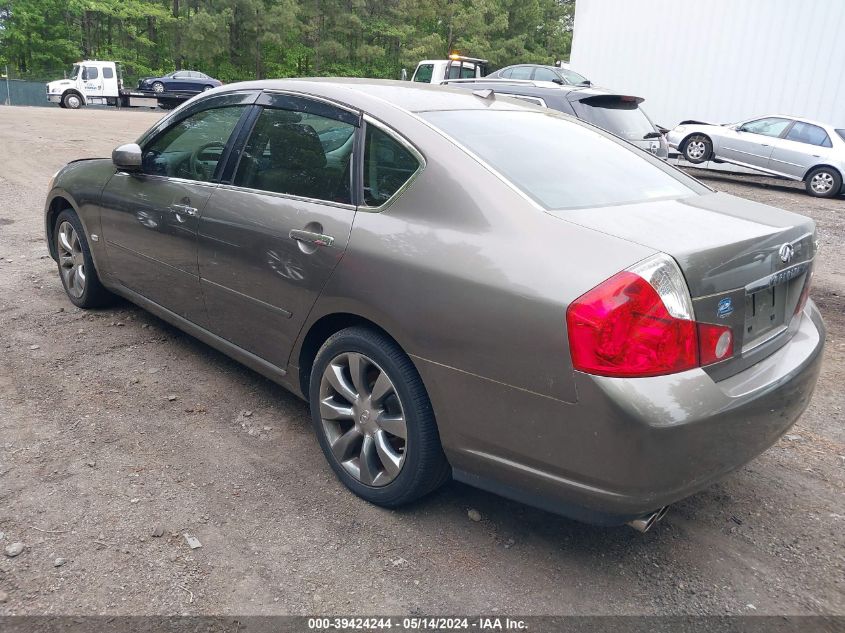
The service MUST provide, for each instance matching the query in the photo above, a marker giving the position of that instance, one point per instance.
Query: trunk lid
(745, 263)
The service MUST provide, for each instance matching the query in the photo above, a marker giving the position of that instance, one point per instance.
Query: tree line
(252, 39)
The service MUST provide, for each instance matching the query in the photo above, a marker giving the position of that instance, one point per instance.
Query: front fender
(79, 186)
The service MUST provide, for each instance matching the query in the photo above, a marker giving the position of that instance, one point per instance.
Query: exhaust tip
(644, 524)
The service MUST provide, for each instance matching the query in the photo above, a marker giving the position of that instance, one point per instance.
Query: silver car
(457, 291)
(798, 149)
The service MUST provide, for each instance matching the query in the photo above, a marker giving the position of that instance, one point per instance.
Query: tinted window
(545, 74)
(771, 126)
(506, 74)
(521, 72)
(556, 164)
(299, 154)
(192, 148)
(387, 166)
(424, 73)
(108, 73)
(810, 134)
(841, 134)
(91, 72)
(468, 71)
(622, 118)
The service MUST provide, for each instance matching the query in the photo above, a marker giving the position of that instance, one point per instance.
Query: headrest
(295, 146)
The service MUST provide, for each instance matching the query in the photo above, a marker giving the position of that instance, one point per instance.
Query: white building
(718, 61)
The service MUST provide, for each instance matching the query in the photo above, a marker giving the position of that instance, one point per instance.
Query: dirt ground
(95, 454)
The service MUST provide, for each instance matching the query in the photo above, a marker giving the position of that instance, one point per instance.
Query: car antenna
(485, 94)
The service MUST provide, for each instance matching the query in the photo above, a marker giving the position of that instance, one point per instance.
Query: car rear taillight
(640, 323)
(805, 293)
(715, 342)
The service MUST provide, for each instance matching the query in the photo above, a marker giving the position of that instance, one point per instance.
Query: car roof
(791, 117)
(532, 65)
(402, 95)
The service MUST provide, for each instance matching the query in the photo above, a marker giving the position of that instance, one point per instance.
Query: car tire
(72, 101)
(158, 87)
(698, 149)
(204, 88)
(823, 182)
(76, 266)
(360, 422)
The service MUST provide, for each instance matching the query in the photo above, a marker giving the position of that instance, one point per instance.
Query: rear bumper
(628, 446)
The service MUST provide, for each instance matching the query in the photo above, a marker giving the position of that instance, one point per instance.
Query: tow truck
(433, 71)
(94, 82)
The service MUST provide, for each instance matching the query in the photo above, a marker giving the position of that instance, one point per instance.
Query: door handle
(311, 238)
(184, 208)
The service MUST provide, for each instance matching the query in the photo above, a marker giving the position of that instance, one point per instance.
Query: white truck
(94, 82)
(433, 71)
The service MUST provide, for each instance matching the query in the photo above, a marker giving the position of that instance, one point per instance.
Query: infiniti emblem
(786, 253)
(365, 417)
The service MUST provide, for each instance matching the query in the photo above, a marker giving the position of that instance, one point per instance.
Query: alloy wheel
(71, 260)
(696, 149)
(363, 419)
(822, 182)
(158, 87)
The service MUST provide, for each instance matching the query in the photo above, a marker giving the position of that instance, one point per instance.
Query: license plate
(765, 310)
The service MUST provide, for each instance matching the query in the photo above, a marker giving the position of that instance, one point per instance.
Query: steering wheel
(196, 166)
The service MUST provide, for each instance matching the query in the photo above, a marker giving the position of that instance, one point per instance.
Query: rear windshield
(622, 118)
(560, 163)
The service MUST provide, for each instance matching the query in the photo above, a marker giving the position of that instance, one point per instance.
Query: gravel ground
(115, 426)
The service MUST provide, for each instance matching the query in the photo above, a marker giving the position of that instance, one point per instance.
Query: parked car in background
(180, 80)
(618, 114)
(798, 149)
(539, 72)
(466, 287)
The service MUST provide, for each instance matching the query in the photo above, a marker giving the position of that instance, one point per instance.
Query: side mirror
(127, 157)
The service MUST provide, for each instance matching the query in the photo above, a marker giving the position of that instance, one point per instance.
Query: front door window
(192, 148)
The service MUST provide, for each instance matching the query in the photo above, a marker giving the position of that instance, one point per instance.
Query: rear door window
(388, 165)
(108, 73)
(546, 74)
(522, 72)
(807, 133)
(299, 154)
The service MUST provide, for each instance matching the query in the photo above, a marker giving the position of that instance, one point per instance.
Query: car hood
(60, 83)
(721, 242)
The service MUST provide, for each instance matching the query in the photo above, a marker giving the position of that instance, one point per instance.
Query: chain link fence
(27, 89)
